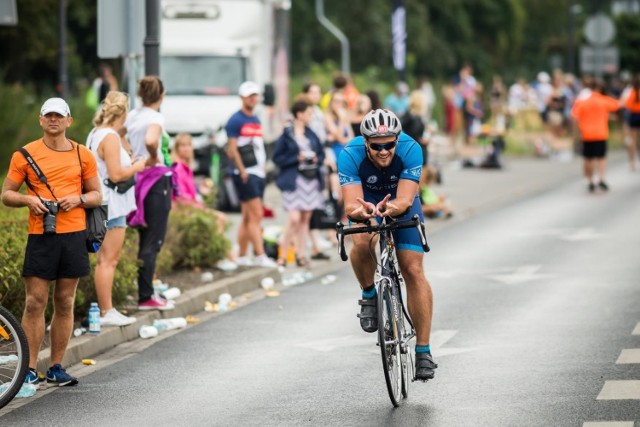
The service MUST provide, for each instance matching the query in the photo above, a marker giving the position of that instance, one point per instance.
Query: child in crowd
(186, 191)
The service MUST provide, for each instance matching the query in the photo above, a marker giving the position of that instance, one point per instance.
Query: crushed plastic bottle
(27, 390)
(172, 293)
(170, 324)
(6, 360)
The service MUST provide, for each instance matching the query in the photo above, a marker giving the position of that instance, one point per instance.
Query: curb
(190, 302)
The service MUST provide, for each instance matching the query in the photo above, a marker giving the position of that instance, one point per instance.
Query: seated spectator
(433, 205)
(186, 193)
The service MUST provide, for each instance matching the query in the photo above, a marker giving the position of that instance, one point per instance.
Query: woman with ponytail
(115, 166)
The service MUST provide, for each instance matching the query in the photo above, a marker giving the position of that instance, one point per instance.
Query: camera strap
(38, 172)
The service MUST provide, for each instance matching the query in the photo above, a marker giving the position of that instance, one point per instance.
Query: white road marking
(629, 355)
(524, 273)
(582, 235)
(636, 331)
(331, 344)
(608, 424)
(438, 339)
(620, 390)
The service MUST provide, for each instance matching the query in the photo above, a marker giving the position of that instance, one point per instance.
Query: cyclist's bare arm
(355, 206)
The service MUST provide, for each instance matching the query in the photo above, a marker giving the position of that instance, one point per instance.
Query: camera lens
(49, 218)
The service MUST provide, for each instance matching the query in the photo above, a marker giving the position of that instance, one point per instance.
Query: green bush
(192, 241)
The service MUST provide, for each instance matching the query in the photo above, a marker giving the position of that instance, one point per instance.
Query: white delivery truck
(207, 49)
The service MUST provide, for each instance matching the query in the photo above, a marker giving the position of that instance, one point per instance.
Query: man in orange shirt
(591, 111)
(56, 247)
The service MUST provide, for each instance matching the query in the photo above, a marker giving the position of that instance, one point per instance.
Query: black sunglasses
(386, 146)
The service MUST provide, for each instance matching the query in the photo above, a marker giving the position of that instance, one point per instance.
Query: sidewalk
(472, 191)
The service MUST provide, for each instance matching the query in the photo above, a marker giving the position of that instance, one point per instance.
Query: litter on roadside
(192, 319)
(88, 362)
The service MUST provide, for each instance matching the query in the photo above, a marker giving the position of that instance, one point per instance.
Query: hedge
(192, 241)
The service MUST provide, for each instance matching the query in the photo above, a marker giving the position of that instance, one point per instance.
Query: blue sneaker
(57, 375)
(32, 378)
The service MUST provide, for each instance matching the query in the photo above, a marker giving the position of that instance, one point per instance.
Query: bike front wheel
(389, 340)
(14, 356)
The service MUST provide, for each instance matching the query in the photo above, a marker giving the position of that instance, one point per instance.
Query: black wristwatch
(83, 199)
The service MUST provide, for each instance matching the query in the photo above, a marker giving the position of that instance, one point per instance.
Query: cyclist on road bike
(379, 174)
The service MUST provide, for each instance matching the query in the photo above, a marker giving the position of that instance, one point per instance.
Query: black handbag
(308, 171)
(327, 217)
(248, 155)
(96, 221)
(122, 186)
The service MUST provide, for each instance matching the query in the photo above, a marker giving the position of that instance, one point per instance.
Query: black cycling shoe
(425, 366)
(369, 314)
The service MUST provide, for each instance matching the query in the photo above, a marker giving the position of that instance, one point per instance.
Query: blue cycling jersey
(354, 167)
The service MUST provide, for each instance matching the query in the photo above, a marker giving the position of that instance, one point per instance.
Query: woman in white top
(115, 166)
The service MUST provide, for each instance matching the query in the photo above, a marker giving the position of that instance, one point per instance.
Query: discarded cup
(79, 331)
(267, 283)
(170, 324)
(207, 276)
(223, 302)
(172, 293)
(147, 331)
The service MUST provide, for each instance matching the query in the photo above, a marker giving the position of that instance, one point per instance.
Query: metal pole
(570, 39)
(344, 41)
(152, 39)
(63, 79)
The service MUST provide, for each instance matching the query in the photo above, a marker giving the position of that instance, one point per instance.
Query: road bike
(14, 356)
(395, 328)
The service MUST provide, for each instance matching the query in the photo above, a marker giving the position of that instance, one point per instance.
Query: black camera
(49, 218)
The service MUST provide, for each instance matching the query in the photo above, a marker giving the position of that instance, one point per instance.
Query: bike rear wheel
(14, 356)
(389, 340)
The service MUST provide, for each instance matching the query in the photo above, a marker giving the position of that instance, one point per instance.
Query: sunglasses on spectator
(386, 146)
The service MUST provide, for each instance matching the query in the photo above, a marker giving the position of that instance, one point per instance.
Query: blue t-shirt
(354, 167)
(247, 130)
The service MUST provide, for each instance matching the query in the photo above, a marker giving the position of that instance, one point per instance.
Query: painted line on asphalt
(636, 331)
(620, 390)
(608, 424)
(629, 355)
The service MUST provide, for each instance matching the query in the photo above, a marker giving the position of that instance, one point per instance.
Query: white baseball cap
(55, 105)
(248, 89)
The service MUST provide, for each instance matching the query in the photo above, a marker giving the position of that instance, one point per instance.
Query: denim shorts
(117, 222)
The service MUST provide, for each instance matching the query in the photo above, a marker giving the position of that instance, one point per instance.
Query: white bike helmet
(379, 123)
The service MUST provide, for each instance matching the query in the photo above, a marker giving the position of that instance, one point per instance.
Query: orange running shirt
(62, 169)
(592, 114)
(632, 103)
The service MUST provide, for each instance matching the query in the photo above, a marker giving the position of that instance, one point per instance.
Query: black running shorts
(56, 256)
(594, 149)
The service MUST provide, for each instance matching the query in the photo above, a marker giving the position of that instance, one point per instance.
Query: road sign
(121, 28)
(599, 60)
(8, 12)
(599, 30)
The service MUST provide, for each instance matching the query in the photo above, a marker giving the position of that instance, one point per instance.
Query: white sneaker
(114, 318)
(244, 261)
(265, 261)
(324, 244)
(227, 265)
